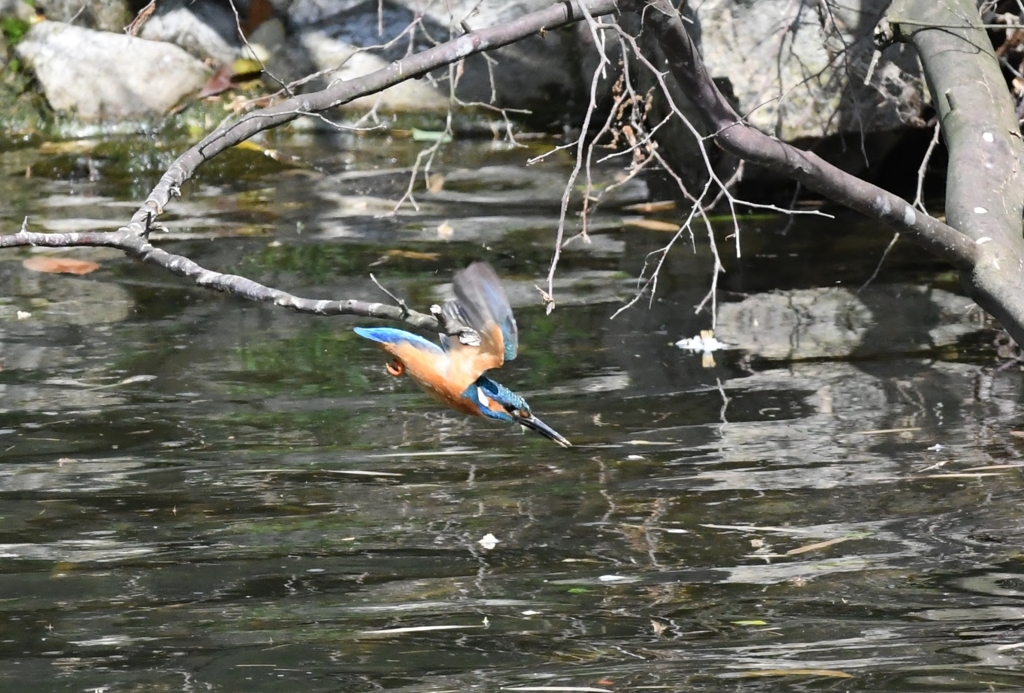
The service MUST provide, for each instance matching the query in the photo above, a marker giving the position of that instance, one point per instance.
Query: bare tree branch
(139, 247)
(133, 239)
(233, 131)
(985, 197)
(745, 141)
(984, 186)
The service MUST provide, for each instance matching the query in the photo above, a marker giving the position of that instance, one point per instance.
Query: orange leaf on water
(59, 265)
(653, 225)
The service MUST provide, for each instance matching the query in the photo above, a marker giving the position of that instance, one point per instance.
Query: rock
(204, 29)
(329, 53)
(101, 76)
(210, 32)
(541, 74)
(103, 15)
(796, 73)
(19, 9)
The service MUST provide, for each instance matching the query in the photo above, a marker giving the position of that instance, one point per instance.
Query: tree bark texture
(990, 257)
(984, 182)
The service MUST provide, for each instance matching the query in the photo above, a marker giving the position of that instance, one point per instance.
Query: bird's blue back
(389, 335)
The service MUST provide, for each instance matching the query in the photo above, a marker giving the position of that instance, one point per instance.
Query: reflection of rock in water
(82, 475)
(54, 301)
(65, 300)
(807, 323)
(835, 322)
(483, 204)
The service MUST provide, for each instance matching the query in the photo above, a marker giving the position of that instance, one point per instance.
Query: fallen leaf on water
(445, 231)
(653, 225)
(219, 82)
(878, 431)
(560, 689)
(253, 147)
(412, 255)
(651, 207)
(799, 672)
(815, 546)
(59, 265)
(435, 182)
(752, 622)
(413, 629)
(430, 136)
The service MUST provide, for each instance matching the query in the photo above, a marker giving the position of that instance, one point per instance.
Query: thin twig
(923, 168)
(401, 302)
(881, 261)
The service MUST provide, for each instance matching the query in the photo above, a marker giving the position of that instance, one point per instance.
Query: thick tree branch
(984, 181)
(745, 141)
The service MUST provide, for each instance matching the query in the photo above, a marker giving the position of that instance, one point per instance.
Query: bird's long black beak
(534, 424)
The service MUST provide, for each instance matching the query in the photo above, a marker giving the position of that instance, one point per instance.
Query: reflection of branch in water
(725, 405)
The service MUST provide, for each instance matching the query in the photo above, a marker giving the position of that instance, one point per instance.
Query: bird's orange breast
(437, 374)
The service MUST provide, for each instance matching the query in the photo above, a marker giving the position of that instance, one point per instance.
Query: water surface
(200, 493)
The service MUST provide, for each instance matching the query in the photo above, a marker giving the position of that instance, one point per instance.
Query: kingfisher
(485, 336)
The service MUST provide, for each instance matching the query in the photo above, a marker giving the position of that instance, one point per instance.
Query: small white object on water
(613, 578)
(936, 448)
(705, 342)
(489, 541)
(24, 314)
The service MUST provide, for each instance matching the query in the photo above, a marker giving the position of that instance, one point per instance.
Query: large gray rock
(798, 69)
(18, 9)
(539, 73)
(339, 60)
(204, 29)
(104, 15)
(102, 76)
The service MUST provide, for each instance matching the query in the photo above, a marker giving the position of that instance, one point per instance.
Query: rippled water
(198, 493)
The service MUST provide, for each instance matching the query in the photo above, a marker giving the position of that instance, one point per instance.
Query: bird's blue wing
(501, 394)
(389, 335)
(483, 301)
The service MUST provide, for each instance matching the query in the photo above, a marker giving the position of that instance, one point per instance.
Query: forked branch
(133, 238)
(737, 137)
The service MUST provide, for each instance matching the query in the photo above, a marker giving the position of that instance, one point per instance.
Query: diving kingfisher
(453, 373)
